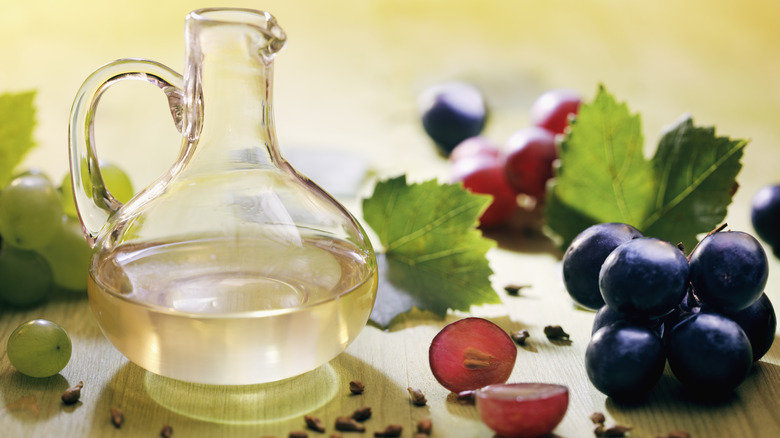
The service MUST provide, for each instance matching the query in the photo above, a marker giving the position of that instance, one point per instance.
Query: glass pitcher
(232, 268)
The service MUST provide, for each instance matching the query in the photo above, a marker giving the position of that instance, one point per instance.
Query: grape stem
(716, 230)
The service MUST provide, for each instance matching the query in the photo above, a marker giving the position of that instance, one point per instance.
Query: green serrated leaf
(434, 256)
(604, 172)
(696, 175)
(17, 123)
(684, 191)
(563, 222)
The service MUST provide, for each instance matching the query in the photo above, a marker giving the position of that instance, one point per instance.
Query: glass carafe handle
(96, 205)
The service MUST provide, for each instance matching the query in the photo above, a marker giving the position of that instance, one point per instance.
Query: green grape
(39, 348)
(68, 254)
(33, 171)
(66, 197)
(115, 179)
(30, 211)
(25, 276)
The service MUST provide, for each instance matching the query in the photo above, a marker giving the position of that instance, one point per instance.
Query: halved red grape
(485, 174)
(471, 353)
(522, 410)
(551, 110)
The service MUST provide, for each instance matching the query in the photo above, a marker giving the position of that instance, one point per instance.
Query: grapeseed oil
(233, 311)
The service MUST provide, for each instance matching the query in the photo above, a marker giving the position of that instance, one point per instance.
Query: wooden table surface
(347, 83)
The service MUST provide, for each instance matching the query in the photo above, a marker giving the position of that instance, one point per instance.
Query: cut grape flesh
(522, 410)
(471, 353)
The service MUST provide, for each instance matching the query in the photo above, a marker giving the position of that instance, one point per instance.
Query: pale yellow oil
(233, 312)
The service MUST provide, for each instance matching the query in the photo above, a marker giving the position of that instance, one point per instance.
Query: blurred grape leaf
(17, 123)
(433, 255)
(603, 176)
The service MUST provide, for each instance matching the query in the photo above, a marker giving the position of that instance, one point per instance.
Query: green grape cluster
(42, 246)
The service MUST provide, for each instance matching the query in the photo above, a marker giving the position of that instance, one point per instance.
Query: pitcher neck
(229, 86)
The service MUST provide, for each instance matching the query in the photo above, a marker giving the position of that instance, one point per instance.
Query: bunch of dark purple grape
(765, 216)
(706, 314)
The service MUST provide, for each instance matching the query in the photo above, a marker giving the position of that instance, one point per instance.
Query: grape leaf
(604, 172)
(603, 176)
(434, 256)
(696, 173)
(17, 123)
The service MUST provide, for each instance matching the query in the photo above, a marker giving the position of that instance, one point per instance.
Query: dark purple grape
(624, 360)
(452, 112)
(584, 256)
(765, 215)
(680, 313)
(606, 316)
(709, 354)
(729, 270)
(759, 323)
(644, 277)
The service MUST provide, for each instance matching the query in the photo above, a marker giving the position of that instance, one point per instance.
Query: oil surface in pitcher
(233, 311)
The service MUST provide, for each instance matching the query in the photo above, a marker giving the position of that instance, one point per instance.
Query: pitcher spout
(270, 37)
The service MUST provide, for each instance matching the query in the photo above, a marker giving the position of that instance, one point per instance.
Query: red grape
(474, 146)
(522, 410)
(471, 353)
(551, 110)
(529, 160)
(485, 174)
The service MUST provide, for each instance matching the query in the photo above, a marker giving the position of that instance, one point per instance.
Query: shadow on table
(149, 401)
(523, 239)
(750, 410)
(31, 399)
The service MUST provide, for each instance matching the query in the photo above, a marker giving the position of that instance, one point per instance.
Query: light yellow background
(348, 81)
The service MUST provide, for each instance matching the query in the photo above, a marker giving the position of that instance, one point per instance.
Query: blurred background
(350, 75)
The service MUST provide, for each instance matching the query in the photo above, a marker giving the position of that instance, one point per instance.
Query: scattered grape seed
(555, 332)
(514, 289)
(347, 424)
(356, 387)
(117, 417)
(597, 418)
(72, 394)
(425, 426)
(362, 414)
(418, 398)
(520, 336)
(314, 423)
(298, 434)
(166, 431)
(391, 430)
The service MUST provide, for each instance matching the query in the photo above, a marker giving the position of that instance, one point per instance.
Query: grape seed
(72, 394)
(356, 387)
(418, 398)
(117, 417)
(314, 423)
